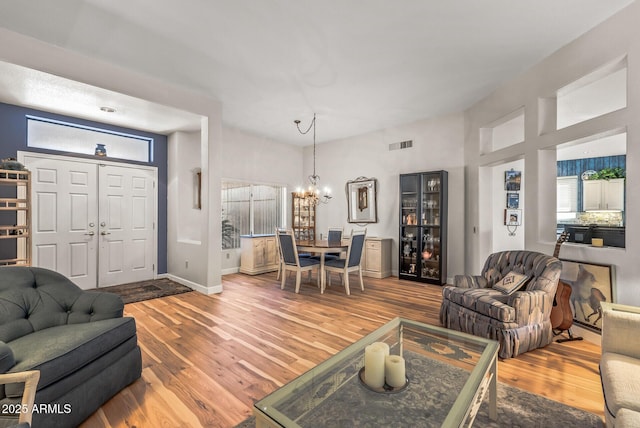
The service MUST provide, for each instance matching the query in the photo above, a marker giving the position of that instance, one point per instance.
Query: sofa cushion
(620, 382)
(627, 418)
(60, 351)
(510, 283)
(488, 302)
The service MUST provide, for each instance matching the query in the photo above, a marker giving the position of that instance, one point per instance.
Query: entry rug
(145, 290)
(516, 408)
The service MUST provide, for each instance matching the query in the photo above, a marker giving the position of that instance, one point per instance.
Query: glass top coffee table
(448, 374)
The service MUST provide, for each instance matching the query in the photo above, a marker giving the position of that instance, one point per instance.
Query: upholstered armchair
(510, 301)
(83, 348)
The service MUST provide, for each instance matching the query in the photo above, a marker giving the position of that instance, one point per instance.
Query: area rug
(516, 408)
(146, 290)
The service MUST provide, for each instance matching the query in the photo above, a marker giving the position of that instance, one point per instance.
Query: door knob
(90, 233)
(105, 233)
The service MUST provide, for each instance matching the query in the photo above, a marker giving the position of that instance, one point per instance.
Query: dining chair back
(353, 262)
(354, 254)
(335, 234)
(291, 261)
(288, 249)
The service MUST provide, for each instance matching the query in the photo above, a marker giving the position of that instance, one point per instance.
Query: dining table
(322, 247)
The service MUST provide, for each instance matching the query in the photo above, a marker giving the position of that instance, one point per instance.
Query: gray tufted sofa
(520, 320)
(85, 350)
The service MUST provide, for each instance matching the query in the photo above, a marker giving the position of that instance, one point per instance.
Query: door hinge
(153, 267)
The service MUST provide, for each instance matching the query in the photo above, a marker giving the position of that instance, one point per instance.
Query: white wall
(250, 157)
(606, 43)
(437, 145)
(256, 159)
(185, 256)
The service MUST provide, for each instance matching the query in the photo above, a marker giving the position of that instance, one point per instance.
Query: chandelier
(312, 194)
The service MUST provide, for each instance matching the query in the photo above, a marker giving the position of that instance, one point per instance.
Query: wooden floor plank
(207, 359)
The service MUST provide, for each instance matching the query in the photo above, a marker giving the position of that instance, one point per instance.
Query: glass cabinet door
(430, 256)
(409, 250)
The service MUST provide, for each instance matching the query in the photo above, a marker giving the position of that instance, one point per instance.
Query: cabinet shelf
(15, 197)
(303, 219)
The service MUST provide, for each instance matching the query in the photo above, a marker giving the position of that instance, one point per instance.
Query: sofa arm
(620, 326)
(528, 306)
(96, 306)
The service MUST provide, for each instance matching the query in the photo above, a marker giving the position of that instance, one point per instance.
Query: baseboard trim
(229, 271)
(216, 289)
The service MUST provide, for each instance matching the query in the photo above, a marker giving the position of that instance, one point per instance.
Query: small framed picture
(513, 200)
(512, 217)
(512, 180)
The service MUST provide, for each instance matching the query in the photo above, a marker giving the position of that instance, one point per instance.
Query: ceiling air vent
(401, 145)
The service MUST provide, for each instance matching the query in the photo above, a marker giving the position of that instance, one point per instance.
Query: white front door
(65, 214)
(93, 222)
(127, 244)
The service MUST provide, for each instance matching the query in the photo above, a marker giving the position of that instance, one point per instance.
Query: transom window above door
(74, 138)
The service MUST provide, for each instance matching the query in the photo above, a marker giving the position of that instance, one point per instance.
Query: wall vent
(401, 145)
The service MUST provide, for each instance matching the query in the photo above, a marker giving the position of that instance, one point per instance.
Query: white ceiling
(360, 65)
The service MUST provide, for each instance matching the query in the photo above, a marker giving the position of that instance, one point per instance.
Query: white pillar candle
(374, 356)
(394, 371)
(384, 346)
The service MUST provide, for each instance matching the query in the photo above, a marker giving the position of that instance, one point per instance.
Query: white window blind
(250, 209)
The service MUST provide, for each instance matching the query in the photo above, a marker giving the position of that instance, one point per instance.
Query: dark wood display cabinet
(423, 227)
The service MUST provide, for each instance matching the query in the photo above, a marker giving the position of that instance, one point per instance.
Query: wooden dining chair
(279, 252)
(334, 235)
(353, 262)
(291, 261)
(30, 379)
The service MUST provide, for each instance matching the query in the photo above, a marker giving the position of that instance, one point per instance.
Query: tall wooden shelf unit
(423, 227)
(15, 207)
(303, 217)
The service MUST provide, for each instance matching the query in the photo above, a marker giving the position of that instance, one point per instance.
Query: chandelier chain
(313, 194)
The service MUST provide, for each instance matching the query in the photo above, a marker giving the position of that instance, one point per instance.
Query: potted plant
(607, 174)
(229, 232)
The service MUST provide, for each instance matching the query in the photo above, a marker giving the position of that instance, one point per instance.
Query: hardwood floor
(207, 359)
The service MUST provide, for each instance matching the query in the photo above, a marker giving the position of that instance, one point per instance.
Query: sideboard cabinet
(376, 257)
(258, 254)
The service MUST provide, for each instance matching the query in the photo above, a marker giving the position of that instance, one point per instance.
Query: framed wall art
(590, 284)
(361, 200)
(512, 180)
(512, 217)
(513, 200)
